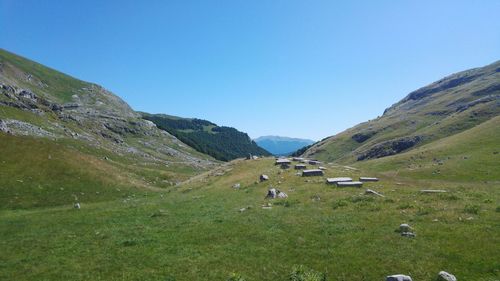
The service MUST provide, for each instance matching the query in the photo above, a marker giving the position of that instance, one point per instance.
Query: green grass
(60, 85)
(196, 232)
(470, 156)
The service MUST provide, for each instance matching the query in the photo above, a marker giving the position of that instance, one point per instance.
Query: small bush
(302, 273)
(339, 203)
(498, 209)
(472, 209)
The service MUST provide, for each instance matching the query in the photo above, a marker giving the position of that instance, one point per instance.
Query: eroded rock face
(390, 147)
(97, 117)
(363, 136)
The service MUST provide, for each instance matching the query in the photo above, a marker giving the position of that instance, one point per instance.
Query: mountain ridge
(448, 106)
(282, 146)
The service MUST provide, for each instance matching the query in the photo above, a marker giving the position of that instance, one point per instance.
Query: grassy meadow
(196, 231)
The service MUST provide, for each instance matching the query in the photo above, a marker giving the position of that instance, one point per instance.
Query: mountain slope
(222, 143)
(282, 145)
(42, 108)
(444, 108)
(469, 156)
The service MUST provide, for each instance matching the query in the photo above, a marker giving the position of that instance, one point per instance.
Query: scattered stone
(367, 179)
(315, 198)
(76, 206)
(264, 177)
(337, 180)
(321, 168)
(237, 186)
(350, 184)
(445, 276)
(245, 209)
(398, 277)
(313, 172)
(433, 191)
(408, 234)
(369, 191)
(282, 195)
(404, 228)
(272, 193)
(267, 206)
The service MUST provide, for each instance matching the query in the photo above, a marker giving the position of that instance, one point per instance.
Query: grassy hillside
(65, 140)
(469, 156)
(222, 143)
(197, 232)
(444, 108)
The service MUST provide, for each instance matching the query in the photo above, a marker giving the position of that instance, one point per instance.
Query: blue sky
(295, 68)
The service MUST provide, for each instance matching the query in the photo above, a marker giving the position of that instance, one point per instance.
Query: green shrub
(339, 203)
(302, 273)
(472, 209)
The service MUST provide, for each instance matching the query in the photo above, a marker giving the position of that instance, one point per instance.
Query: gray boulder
(445, 276)
(272, 193)
(282, 194)
(404, 227)
(398, 277)
(264, 177)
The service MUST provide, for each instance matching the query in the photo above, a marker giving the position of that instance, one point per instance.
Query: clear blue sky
(282, 67)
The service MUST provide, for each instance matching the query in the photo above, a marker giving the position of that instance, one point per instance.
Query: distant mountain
(449, 106)
(282, 145)
(222, 143)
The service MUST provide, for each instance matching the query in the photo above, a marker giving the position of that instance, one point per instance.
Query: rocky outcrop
(390, 147)
(363, 136)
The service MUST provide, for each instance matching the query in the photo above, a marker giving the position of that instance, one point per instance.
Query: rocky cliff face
(41, 102)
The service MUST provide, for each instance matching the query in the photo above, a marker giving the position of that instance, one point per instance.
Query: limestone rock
(398, 277)
(445, 276)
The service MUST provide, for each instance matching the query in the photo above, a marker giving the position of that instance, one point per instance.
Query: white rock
(398, 277)
(282, 195)
(445, 276)
(404, 227)
(369, 191)
(272, 193)
(77, 206)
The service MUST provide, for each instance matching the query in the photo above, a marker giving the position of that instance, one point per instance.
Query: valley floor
(197, 232)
